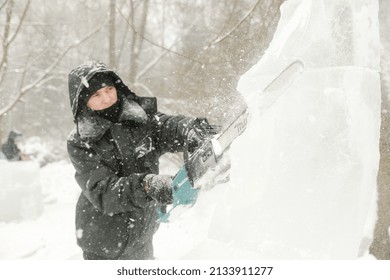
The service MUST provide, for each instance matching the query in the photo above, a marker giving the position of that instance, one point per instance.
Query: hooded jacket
(10, 149)
(114, 216)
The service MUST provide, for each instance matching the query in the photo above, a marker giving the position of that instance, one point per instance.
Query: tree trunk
(380, 247)
(111, 35)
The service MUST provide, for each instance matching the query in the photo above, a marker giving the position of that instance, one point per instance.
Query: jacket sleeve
(171, 132)
(108, 193)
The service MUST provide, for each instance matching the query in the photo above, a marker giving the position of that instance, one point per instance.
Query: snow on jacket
(114, 216)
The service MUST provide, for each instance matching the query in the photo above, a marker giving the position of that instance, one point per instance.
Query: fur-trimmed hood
(89, 125)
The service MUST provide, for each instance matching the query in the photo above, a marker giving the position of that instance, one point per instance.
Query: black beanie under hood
(98, 81)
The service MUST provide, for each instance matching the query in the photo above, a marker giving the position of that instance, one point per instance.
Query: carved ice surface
(304, 172)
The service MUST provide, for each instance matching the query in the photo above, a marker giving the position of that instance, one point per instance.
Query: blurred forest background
(189, 54)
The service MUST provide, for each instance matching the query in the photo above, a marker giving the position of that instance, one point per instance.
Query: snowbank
(50, 235)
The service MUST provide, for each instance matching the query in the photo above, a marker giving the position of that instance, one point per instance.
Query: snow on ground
(187, 227)
(51, 235)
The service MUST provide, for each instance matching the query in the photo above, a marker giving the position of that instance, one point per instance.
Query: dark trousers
(92, 256)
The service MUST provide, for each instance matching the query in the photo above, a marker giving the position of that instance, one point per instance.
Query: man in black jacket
(115, 147)
(10, 149)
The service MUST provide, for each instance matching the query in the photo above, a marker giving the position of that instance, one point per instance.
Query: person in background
(10, 149)
(115, 149)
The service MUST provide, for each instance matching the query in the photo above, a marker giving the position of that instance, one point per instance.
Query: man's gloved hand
(200, 131)
(159, 188)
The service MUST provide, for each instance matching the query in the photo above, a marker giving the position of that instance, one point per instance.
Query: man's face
(103, 98)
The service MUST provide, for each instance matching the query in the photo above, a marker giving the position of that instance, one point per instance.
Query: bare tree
(8, 37)
(111, 35)
(137, 37)
(27, 78)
